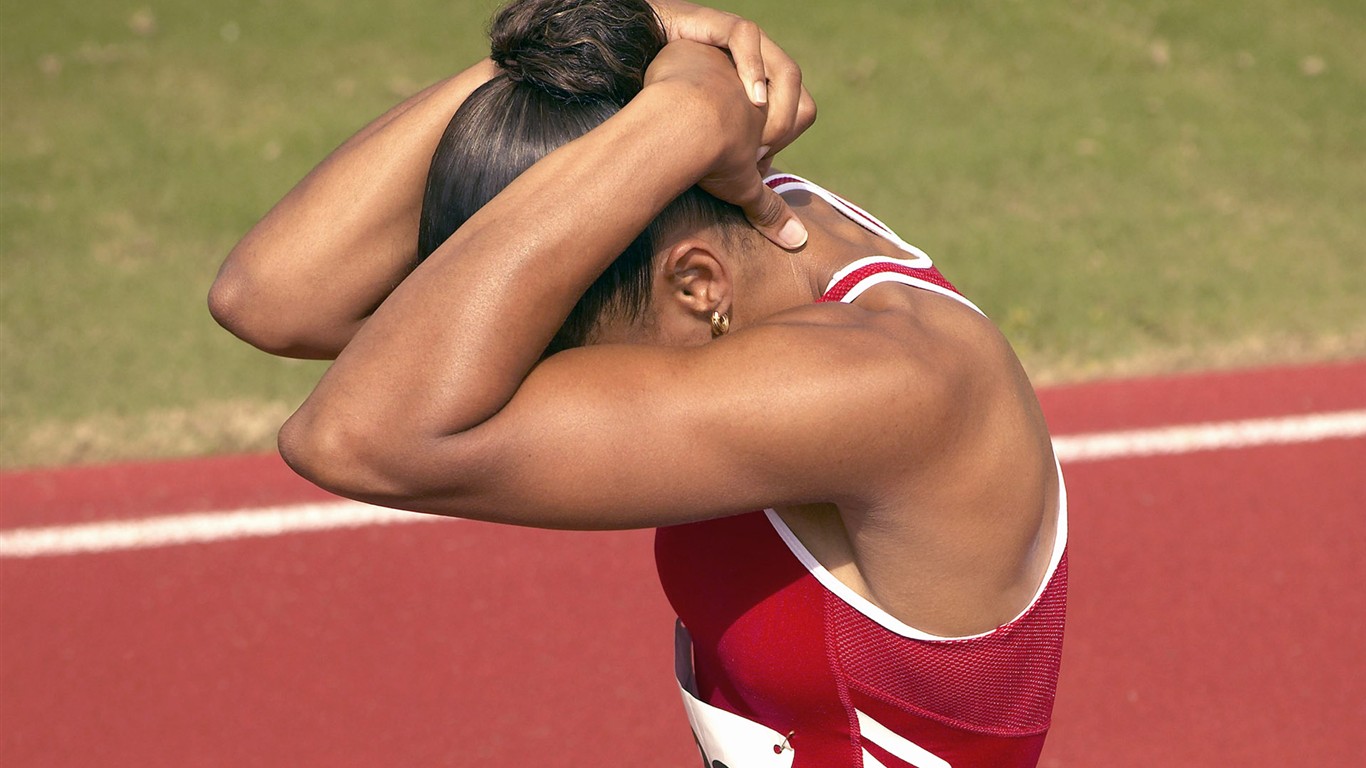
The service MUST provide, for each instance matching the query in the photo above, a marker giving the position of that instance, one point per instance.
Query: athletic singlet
(781, 665)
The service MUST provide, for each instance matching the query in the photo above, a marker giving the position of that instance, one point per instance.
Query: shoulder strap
(786, 182)
(850, 283)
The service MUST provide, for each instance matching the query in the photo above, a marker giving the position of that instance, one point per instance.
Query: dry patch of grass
(1245, 352)
(232, 426)
(1127, 188)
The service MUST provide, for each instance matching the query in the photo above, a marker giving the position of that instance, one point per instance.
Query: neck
(783, 279)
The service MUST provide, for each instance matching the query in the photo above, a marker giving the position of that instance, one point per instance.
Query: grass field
(1126, 187)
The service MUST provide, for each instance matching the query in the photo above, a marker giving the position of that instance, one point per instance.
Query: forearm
(306, 277)
(450, 347)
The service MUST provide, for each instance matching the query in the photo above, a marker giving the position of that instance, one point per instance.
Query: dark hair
(567, 66)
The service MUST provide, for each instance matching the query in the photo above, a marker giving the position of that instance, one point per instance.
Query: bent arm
(450, 346)
(304, 280)
(434, 406)
(306, 277)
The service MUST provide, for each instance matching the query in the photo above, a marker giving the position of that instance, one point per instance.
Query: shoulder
(901, 331)
(900, 365)
(817, 404)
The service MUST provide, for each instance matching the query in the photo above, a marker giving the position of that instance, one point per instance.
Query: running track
(1217, 615)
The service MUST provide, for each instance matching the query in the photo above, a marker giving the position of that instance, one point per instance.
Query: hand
(711, 91)
(770, 76)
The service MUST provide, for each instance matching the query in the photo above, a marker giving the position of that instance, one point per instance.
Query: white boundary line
(177, 530)
(1226, 435)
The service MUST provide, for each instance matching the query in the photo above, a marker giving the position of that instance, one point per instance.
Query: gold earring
(719, 324)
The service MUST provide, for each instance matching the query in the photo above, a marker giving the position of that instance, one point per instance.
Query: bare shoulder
(959, 461)
(904, 338)
(816, 404)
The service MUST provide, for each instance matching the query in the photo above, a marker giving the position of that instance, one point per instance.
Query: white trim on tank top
(875, 225)
(920, 261)
(870, 609)
(855, 214)
(898, 277)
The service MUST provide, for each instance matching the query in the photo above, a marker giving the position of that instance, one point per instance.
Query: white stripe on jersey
(900, 746)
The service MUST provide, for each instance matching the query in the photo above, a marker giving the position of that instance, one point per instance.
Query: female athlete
(618, 321)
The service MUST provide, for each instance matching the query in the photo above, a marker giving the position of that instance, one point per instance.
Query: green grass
(1126, 187)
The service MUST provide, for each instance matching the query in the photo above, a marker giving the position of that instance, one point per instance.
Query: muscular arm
(304, 280)
(431, 407)
(306, 277)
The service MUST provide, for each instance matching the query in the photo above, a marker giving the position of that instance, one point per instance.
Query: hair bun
(578, 49)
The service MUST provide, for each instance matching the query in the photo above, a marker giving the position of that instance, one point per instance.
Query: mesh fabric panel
(850, 281)
(1002, 683)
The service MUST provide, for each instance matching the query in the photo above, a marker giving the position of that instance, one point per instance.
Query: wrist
(690, 125)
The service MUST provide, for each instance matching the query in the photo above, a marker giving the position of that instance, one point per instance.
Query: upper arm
(631, 436)
(308, 275)
(272, 309)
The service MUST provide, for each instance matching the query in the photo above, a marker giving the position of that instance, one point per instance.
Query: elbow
(248, 311)
(375, 460)
(343, 457)
(327, 452)
(228, 304)
(237, 306)
(305, 449)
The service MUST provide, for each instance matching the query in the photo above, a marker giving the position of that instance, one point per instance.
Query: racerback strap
(850, 282)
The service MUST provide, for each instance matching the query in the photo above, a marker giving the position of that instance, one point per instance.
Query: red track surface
(1215, 616)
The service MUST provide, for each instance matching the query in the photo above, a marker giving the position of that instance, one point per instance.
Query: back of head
(567, 66)
(578, 50)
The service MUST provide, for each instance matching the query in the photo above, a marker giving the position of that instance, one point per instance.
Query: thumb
(775, 219)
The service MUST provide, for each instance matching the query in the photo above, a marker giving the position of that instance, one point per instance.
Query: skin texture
(898, 435)
(351, 223)
(772, 79)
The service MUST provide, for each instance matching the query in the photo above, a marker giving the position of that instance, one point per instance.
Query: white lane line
(169, 531)
(1227, 435)
(276, 521)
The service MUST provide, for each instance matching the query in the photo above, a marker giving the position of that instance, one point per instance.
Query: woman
(621, 324)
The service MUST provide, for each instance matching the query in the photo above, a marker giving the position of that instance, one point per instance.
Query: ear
(696, 279)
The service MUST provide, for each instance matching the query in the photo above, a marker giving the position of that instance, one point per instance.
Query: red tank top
(782, 665)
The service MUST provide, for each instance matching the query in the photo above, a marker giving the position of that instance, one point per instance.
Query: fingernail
(792, 235)
(762, 151)
(761, 93)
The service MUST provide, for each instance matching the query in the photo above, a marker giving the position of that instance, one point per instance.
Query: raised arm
(305, 278)
(771, 77)
(435, 405)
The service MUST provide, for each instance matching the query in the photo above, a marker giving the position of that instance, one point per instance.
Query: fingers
(770, 77)
(784, 93)
(773, 82)
(742, 37)
(749, 48)
(775, 141)
(773, 217)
